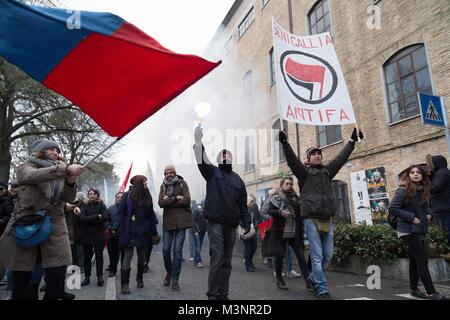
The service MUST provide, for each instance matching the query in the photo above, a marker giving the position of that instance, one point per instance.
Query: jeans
(198, 242)
(221, 244)
(177, 238)
(321, 252)
(250, 247)
(191, 243)
(289, 258)
(445, 220)
(418, 263)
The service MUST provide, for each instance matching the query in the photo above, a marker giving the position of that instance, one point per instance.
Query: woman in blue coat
(137, 225)
(410, 206)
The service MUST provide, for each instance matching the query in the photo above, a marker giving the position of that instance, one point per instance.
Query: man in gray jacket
(317, 204)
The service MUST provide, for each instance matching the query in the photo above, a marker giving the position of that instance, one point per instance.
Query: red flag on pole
(125, 182)
(265, 226)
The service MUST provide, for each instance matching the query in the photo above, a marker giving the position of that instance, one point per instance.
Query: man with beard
(225, 208)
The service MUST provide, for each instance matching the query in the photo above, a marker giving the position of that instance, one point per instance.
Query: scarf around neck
(170, 184)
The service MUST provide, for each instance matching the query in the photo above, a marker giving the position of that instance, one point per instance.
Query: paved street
(259, 285)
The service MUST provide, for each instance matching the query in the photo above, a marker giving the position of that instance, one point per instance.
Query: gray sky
(179, 25)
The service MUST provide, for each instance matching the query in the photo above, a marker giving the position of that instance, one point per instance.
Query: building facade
(388, 50)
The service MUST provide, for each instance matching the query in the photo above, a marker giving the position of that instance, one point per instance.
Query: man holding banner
(311, 90)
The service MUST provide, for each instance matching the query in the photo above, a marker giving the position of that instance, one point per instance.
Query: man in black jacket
(225, 209)
(317, 204)
(440, 192)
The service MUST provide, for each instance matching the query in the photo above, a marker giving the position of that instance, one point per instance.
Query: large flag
(311, 86)
(125, 182)
(151, 185)
(109, 68)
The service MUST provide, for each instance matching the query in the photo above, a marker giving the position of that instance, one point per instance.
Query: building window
(272, 67)
(250, 154)
(320, 18)
(341, 202)
(245, 24)
(328, 135)
(405, 73)
(248, 89)
(264, 2)
(278, 153)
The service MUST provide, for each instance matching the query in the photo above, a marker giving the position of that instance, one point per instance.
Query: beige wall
(361, 52)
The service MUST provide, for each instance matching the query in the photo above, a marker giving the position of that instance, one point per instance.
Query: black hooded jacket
(440, 186)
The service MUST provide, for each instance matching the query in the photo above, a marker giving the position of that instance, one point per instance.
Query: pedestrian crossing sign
(432, 110)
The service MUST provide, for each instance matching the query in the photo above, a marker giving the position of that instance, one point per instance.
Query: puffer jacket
(406, 211)
(91, 227)
(440, 186)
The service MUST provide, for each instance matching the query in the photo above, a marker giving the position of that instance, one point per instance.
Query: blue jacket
(113, 219)
(407, 211)
(226, 195)
(440, 186)
(142, 224)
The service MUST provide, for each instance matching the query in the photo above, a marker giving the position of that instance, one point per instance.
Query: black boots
(100, 281)
(125, 280)
(86, 281)
(139, 276)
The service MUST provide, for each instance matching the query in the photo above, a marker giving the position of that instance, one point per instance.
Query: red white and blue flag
(109, 68)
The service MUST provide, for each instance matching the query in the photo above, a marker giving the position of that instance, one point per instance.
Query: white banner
(311, 86)
(361, 201)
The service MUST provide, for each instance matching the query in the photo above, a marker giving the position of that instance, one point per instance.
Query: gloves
(282, 137)
(198, 134)
(354, 135)
(196, 235)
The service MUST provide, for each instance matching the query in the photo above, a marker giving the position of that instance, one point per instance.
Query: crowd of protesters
(82, 226)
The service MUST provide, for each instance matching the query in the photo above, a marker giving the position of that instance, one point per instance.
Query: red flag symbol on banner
(125, 182)
(305, 72)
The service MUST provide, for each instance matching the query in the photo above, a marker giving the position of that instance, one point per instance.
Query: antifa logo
(307, 80)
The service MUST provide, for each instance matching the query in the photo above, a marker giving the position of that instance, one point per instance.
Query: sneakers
(419, 294)
(175, 285)
(282, 274)
(199, 265)
(191, 259)
(437, 296)
(250, 269)
(167, 280)
(294, 274)
(281, 285)
(324, 296)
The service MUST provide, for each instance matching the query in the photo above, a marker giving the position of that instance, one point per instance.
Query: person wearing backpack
(410, 206)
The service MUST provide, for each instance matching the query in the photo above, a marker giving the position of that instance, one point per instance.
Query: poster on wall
(376, 183)
(370, 199)
(379, 208)
(361, 202)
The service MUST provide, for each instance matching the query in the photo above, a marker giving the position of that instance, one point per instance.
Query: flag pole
(276, 79)
(101, 152)
(357, 130)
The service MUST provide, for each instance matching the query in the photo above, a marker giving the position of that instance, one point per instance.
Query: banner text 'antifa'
(322, 115)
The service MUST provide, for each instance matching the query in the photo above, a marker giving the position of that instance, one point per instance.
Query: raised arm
(293, 162)
(204, 165)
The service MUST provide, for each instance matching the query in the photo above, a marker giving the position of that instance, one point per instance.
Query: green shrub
(380, 244)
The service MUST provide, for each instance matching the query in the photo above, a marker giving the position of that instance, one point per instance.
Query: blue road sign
(432, 110)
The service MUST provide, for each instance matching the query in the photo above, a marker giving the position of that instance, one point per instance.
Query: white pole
(276, 78)
(447, 133)
(102, 152)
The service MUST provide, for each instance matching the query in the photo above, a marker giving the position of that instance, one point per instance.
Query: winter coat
(6, 209)
(142, 223)
(200, 224)
(113, 220)
(317, 198)
(226, 195)
(177, 214)
(36, 192)
(273, 243)
(440, 186)
(407, 211)
(92, 226)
